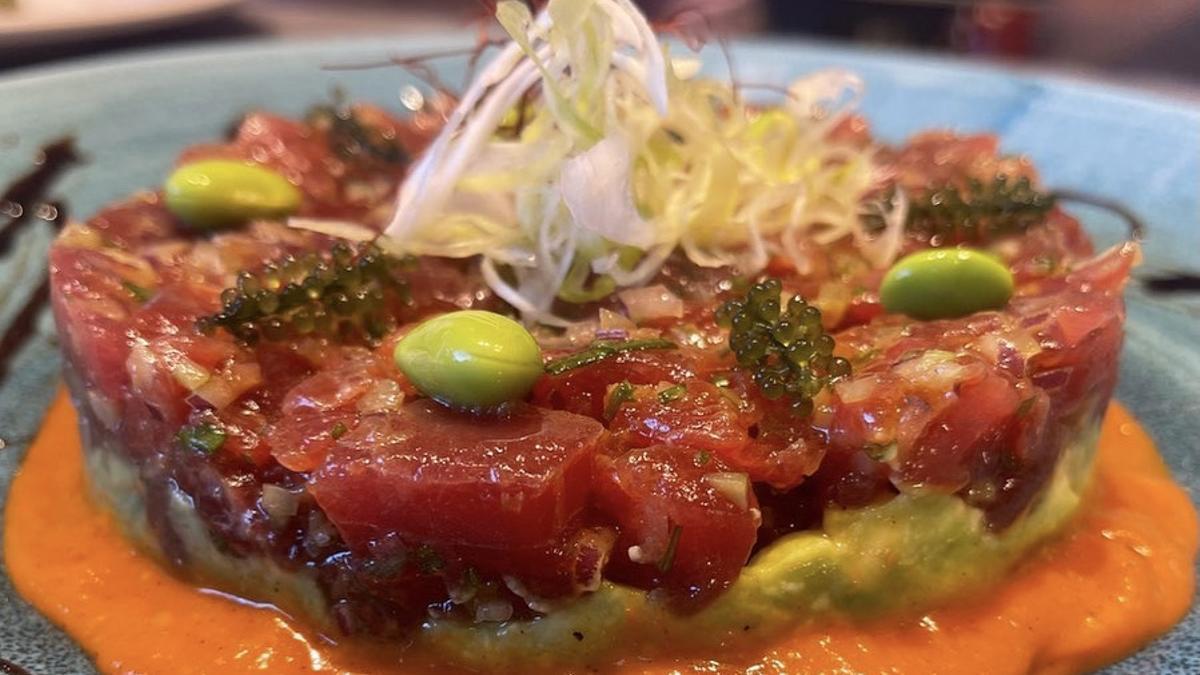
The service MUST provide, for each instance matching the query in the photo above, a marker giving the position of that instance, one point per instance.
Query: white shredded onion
(733, 486)
(279, 503)
(188, 373)
(857, 389)
(610, 320)
(228, 385)
(588, 183)
(651, 302)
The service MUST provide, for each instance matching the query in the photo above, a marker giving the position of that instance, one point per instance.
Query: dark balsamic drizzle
(1172, 282)
(25, 201)
(26, 196)
(9, 668)
(23, 325)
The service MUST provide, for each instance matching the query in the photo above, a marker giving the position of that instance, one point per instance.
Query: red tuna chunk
(687, 524)
(433, 475)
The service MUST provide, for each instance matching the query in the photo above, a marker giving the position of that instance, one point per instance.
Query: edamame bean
(218, 193)
(470, 359)
(946, 283)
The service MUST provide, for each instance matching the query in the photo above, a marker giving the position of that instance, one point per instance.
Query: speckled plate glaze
(132, 115)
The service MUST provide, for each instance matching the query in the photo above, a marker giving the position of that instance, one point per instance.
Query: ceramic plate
(40, 22)
(132, 116)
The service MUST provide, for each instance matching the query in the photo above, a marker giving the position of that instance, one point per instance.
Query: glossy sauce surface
(1122, 575)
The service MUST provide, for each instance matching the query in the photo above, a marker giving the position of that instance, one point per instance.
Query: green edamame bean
(217, 193)
(470, 359)
(946, 283)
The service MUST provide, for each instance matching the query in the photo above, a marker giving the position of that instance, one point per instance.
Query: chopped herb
(668, 559)
(204, 438)
(603, 349)
(139, 293)
(671, 394)
(703, 458)
(338, 430)
(428, 560)
(787, 351)
(722, 381)
(345, 293)
(620, 394)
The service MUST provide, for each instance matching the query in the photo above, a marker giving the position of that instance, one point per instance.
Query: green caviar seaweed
(603, 349)
(786, 350)
(981, 211)
(977, 212)
(352, 139)
(346, 293)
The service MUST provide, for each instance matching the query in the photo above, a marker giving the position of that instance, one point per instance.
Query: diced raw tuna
(687, 522)
(582, 390)
(572, 564)
(140, 220)
(697, 416)
(761, 438)
(92, 306)
(434, 475)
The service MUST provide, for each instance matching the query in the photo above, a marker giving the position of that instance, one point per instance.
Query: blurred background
(1152, 44)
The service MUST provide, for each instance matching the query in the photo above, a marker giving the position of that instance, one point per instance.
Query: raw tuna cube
(434, 475)
(687, 523)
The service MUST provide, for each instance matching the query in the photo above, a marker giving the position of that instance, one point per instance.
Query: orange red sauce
(1121, 576)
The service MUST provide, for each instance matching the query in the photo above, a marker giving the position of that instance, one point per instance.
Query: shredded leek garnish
(624, 157)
